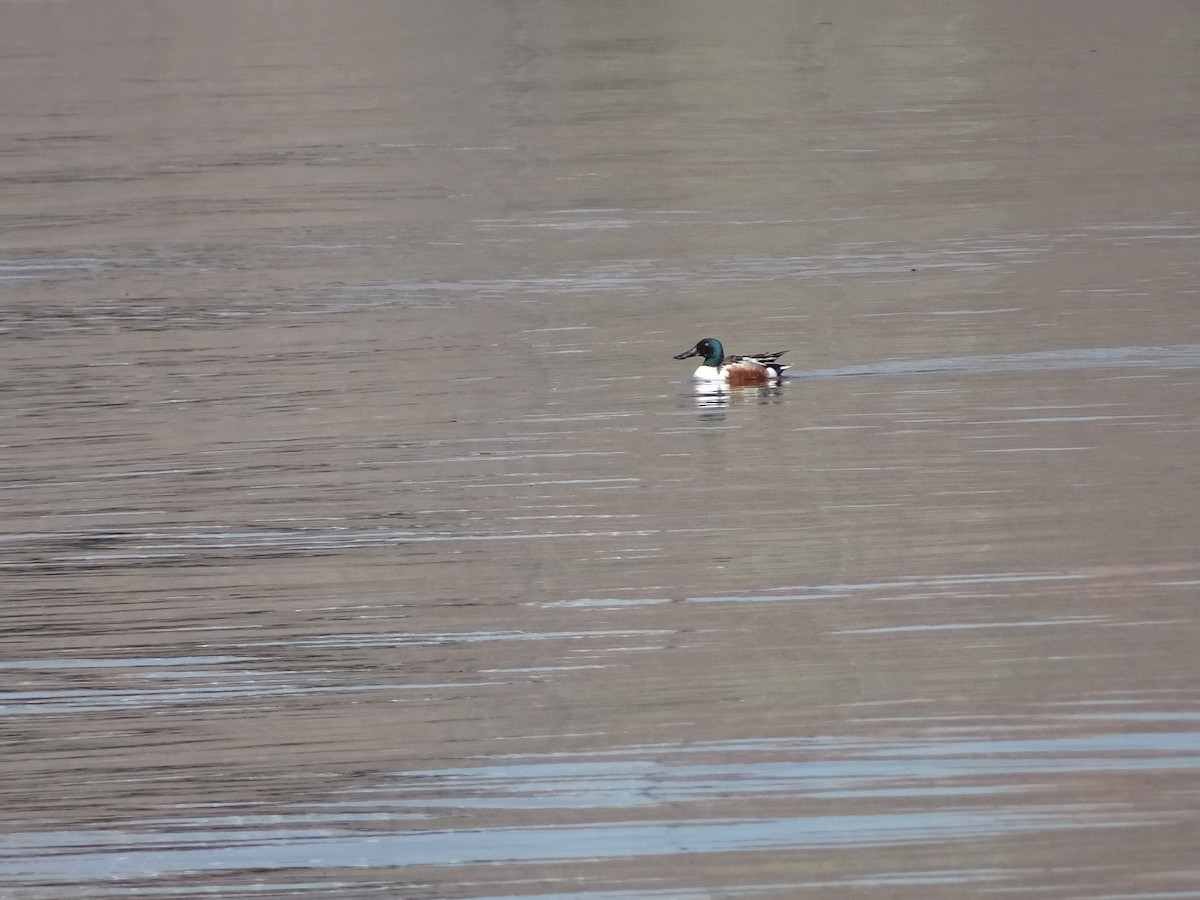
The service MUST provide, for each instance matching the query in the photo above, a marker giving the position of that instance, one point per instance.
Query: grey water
(359, 535)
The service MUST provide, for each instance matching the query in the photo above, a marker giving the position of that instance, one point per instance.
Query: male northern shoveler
(736, 371)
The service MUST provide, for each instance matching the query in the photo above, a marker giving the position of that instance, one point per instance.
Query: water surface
(359, 535)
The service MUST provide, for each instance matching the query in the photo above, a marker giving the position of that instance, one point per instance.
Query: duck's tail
(771, 361)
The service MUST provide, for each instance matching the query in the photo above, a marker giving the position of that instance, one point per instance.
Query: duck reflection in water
(717, 396)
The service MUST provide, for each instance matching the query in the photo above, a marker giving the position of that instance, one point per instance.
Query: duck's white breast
(709, 373)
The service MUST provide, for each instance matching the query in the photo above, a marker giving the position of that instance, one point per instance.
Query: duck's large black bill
(686, 353)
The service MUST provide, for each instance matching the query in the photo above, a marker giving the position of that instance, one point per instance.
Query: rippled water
(359, 535)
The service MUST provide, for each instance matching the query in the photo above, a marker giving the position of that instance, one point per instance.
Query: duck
(753, 370)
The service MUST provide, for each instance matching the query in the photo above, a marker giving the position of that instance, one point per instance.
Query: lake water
(359, 535)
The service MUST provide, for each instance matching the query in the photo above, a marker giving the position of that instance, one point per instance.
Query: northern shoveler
(735, 371)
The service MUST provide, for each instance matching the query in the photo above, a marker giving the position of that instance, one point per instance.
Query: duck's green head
(710, 349)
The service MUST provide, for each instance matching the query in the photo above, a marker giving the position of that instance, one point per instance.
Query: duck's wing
(762, 359)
